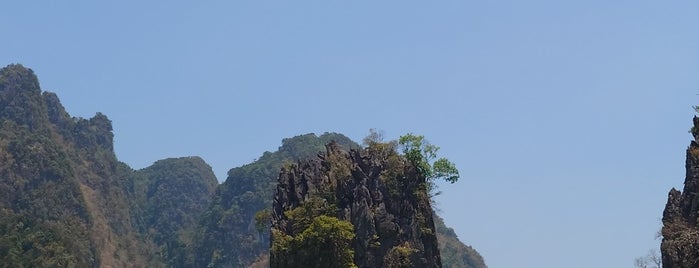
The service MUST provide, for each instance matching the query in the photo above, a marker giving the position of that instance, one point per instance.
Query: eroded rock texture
(377, 191)
(680, 246)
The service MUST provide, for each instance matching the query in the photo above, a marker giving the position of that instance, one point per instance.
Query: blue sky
(568, 121)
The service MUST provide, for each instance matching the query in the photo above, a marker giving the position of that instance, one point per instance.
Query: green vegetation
(340, 182)
(24, 243)
(454, 253)
(422, 154)
(173, 193)
(419, 152)
(68, 202)
(323, 241)
(401, 256)
(262, 219)
(45, 220)
(313, 235)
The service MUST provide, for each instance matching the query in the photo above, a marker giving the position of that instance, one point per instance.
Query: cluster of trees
(40, 202)
(421, 154)
(318, 238)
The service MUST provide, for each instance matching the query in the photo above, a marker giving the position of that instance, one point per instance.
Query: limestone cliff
(680, 245)
(376, 190)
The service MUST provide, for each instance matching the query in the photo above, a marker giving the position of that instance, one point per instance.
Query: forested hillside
(63, 201)
(171, 195)
(66, 200)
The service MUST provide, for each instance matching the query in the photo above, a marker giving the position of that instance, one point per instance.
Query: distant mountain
(172, 195)
(454, 253)
(66, 200)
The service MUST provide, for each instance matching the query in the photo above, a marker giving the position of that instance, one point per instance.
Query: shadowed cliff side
(680, 245)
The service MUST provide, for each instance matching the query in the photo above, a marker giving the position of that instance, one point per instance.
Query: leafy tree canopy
(421, 154)
(326, 242)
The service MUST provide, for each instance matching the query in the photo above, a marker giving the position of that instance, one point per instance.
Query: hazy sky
(568, 121)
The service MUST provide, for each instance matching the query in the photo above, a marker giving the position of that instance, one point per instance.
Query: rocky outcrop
(680, 245)
(377, 191)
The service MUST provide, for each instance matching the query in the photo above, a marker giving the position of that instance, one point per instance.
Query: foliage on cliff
(382, 194)
(320, 241)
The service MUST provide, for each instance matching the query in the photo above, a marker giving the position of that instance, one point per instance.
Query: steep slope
(67, 201)
(376, 194)
(680, 245)
(62, 203)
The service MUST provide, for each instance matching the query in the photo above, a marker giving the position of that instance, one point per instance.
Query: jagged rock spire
(680, 245)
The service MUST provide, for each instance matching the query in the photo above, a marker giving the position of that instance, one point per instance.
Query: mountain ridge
(70, 201)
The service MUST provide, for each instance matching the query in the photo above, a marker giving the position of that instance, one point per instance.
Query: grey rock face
(382, 195)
